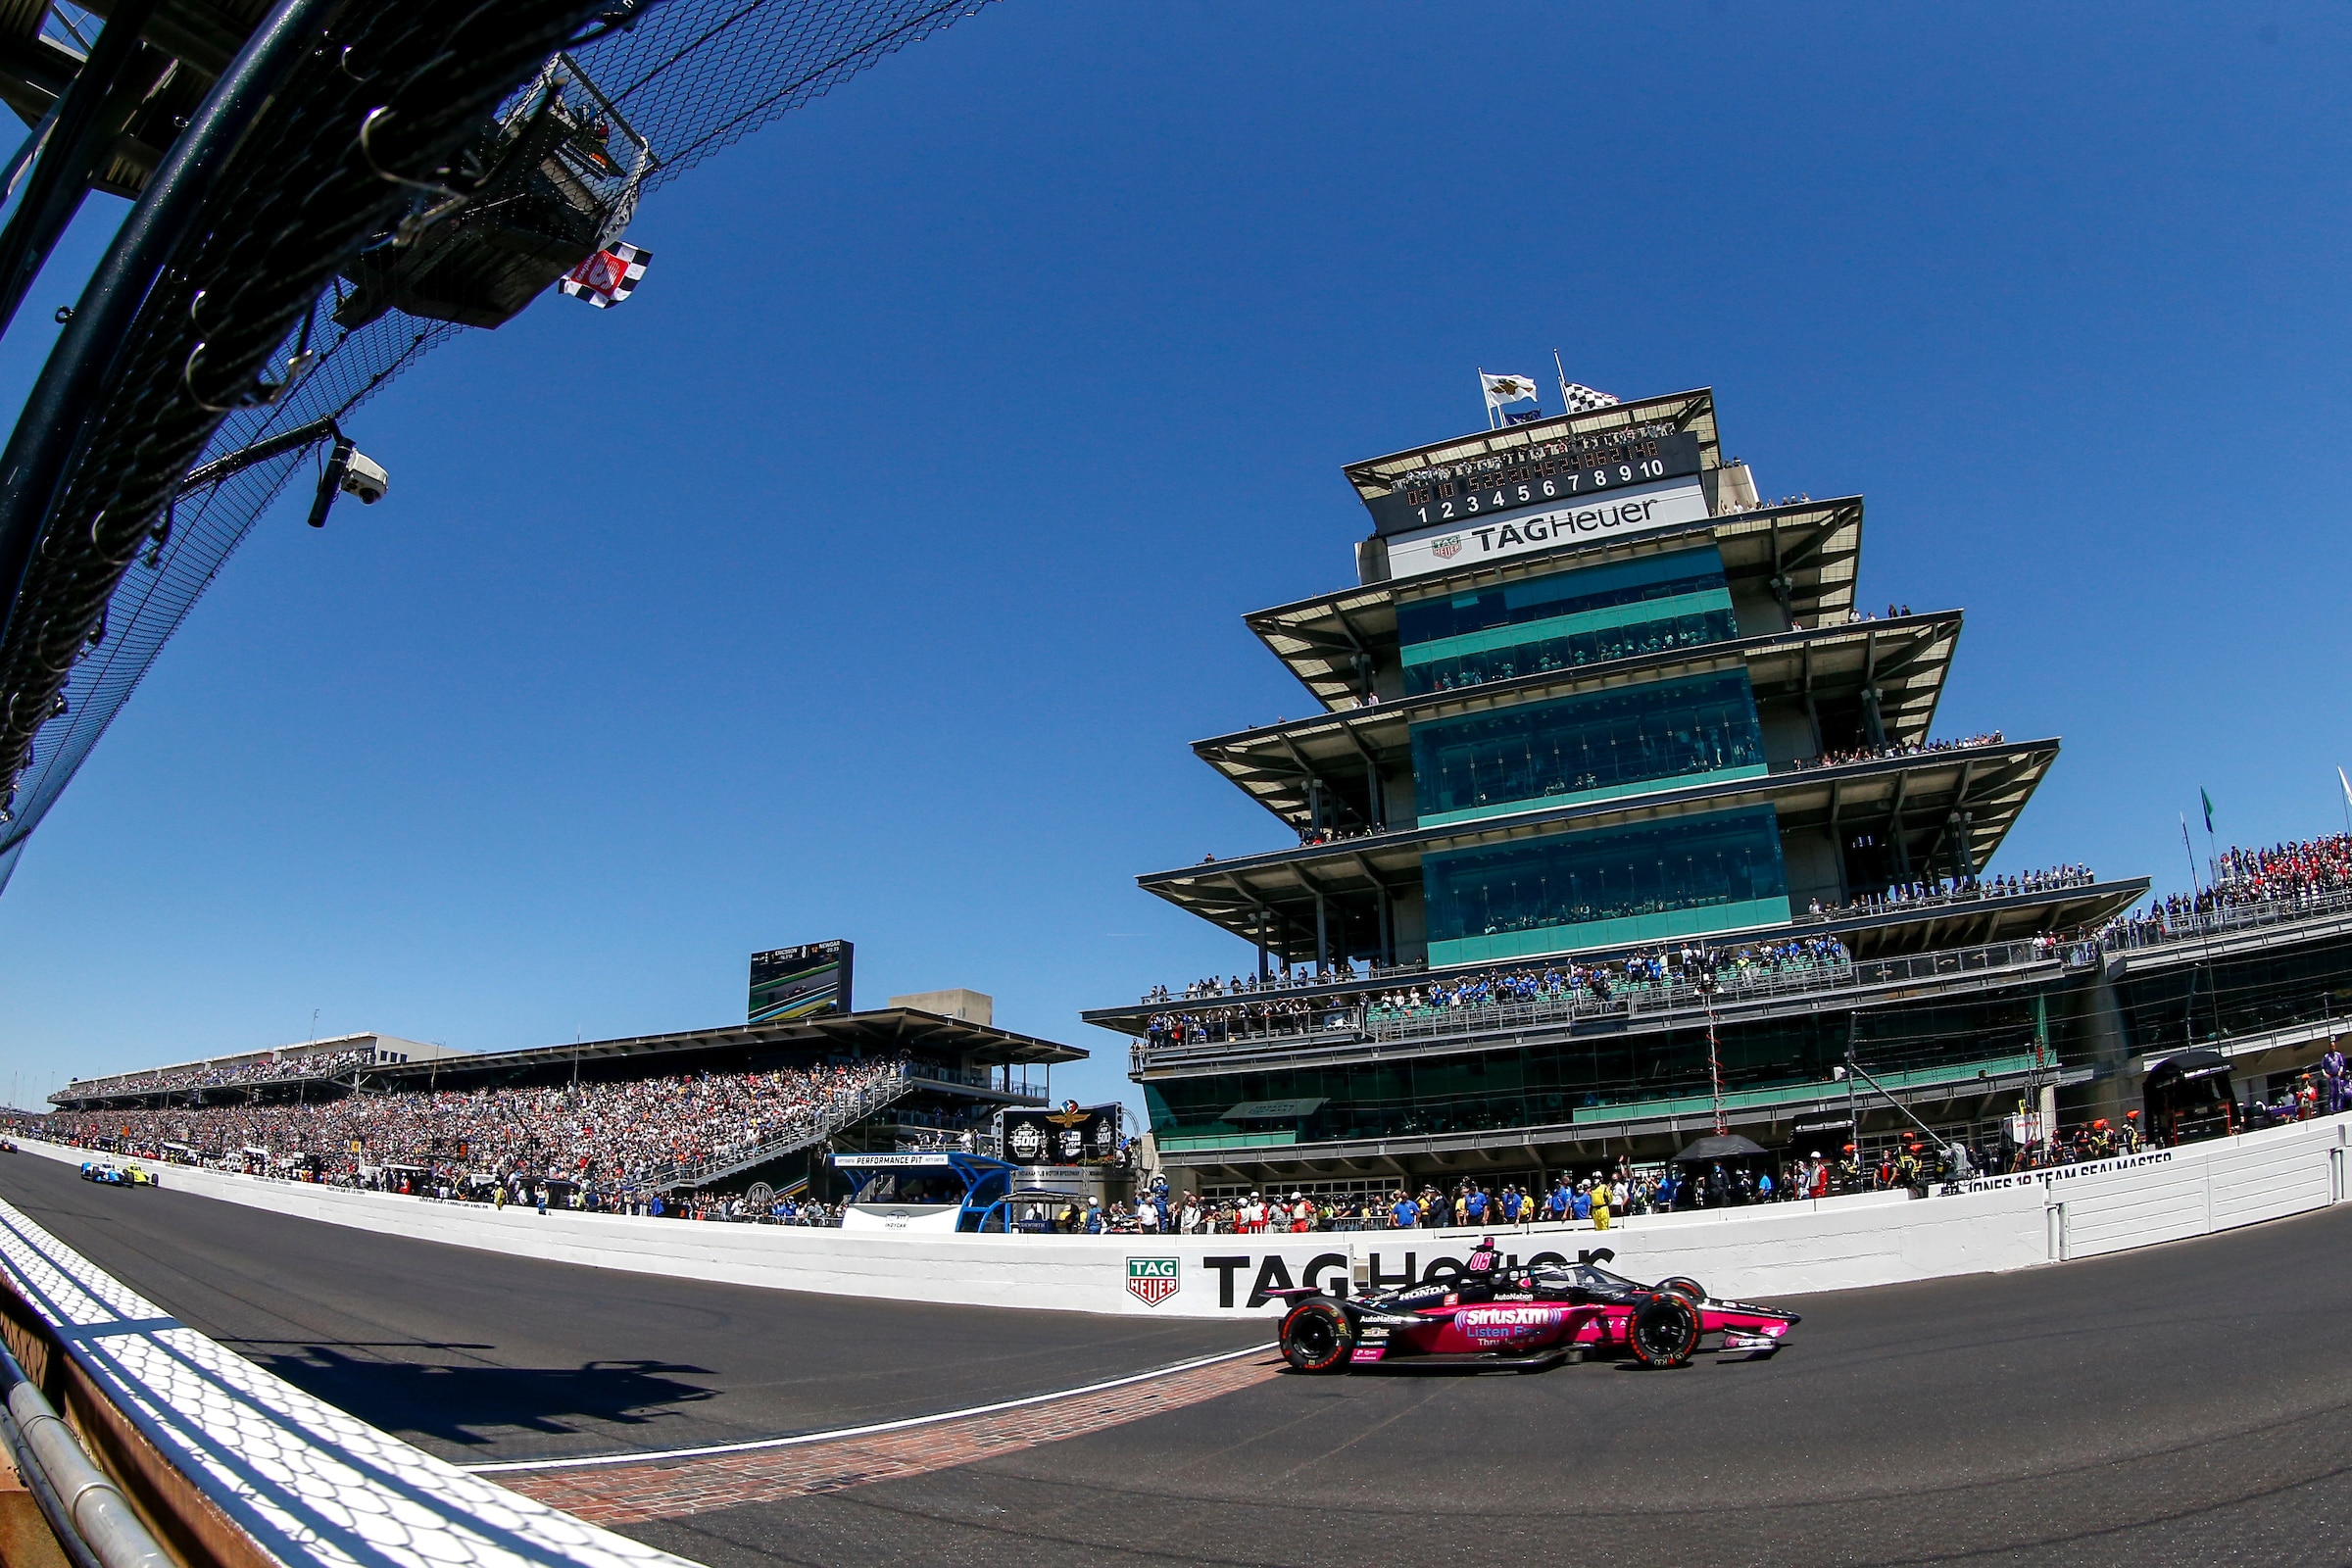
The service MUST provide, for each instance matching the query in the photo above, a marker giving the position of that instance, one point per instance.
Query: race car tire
(1689, 1290)
(1664, 1330)
(1316, 1337)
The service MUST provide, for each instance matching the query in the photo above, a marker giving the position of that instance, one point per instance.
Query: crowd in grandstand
(1333, 833)
(1872, 754)
(2282, 876)
(2285, 870)
(1955, 890)
(274, 1068)
(1707, 969)
(601, 1137)
(1285, 979)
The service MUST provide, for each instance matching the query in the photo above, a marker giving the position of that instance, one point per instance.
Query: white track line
(657, 1455)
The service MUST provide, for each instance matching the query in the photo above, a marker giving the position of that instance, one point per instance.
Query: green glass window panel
(1689, 620)
(1683, 876)
(1591, 745)
(1559, 593)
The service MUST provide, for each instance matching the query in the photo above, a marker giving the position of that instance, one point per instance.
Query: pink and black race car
(1529, 1318)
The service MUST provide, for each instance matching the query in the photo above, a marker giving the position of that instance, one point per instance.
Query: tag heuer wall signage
(1152, 1280)
(1070, 1135)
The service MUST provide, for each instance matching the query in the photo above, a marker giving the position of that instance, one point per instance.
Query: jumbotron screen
(1070, 1135)
(802, 982)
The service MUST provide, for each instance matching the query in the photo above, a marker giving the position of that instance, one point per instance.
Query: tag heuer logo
(1152, 1279)
(1447, 548)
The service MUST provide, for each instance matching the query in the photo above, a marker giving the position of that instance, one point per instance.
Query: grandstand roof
(1920, 792)
(875, 1033)
(1815, 545)
(1907, 658)
(880, 1032)
(1693, 412)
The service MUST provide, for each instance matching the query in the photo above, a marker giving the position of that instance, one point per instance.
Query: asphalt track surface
(2189, 1405)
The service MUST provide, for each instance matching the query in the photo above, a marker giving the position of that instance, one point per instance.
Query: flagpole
(1481, 392)
(2347, 784)
(1562, 370)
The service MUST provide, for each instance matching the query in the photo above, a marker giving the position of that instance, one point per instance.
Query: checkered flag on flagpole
(1581, 399)
(1578, 398)
(609, 276)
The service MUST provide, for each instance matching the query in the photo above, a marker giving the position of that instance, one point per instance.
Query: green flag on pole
(2208, 799)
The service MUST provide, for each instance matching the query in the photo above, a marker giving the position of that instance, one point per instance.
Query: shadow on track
(472, 1407)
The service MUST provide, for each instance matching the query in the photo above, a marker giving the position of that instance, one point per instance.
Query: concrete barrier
(1990, 1225)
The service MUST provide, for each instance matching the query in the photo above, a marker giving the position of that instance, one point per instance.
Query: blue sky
(868, 572)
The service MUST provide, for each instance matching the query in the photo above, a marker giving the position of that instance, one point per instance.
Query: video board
(789, 983)
(1547, 477)
(1074, 1135)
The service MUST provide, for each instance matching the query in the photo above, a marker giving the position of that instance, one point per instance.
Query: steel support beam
(90, 115)
(50, 428)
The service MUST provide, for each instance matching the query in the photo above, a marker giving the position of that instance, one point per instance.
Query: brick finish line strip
(633, 1494)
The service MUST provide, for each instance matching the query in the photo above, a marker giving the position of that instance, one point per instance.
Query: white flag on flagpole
(2347, 784)
(1501, 390)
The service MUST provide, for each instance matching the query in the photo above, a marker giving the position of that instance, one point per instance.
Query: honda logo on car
(1152, 1280)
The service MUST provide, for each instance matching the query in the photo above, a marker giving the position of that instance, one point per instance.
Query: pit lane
(2184, 1404)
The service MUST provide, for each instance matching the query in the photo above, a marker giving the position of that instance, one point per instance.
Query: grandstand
(694, 1109)
(1621, 819)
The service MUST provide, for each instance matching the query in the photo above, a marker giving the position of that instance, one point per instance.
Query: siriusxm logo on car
(1504, 1322)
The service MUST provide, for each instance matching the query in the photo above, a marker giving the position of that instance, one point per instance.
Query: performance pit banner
(1473, 543)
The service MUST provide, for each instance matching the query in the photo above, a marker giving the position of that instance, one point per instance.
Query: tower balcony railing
(1353, 1022)
(1917, 897)
(2166, 930)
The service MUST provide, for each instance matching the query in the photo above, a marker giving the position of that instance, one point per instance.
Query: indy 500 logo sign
(1152, 1280)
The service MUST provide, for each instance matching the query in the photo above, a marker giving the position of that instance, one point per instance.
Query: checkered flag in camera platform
(607, 278)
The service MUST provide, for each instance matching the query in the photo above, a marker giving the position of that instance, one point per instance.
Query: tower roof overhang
(1813, 546)
(1905, 660)
(1920, 797)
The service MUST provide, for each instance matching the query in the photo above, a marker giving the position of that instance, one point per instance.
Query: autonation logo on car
(1152, 1280)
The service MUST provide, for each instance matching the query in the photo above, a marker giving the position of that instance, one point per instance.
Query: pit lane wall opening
(1987, 1225)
